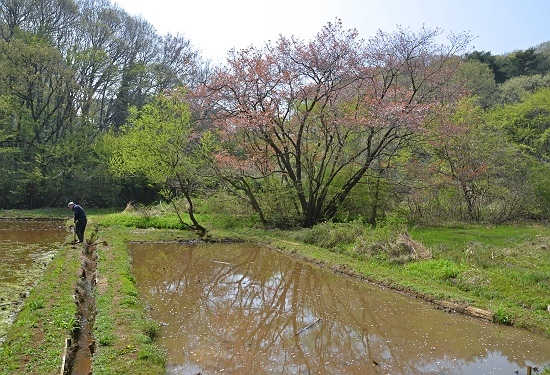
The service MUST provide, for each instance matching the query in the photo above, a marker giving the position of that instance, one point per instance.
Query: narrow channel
(244, 309)
(80, 352)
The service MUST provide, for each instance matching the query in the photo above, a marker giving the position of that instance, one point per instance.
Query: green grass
(138, 221)
(507, 267)
(504, 269)
(462, 236)
(35, 342)
(122, 330)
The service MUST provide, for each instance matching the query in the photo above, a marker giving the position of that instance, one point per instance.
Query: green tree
(516, 88)
(37, 91)
(70, 71)
(495, 63)
(527, 123)
(525, 63)
(160, 143)
(480, 81)
(479, 173)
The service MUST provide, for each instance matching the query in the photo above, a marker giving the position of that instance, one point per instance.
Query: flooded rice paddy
(26, 247)
(244, 309)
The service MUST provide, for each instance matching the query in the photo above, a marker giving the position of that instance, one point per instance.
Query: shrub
(332, 235)
(502, 317)
(390, 242)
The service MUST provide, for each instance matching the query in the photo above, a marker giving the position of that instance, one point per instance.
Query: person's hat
(71, 204)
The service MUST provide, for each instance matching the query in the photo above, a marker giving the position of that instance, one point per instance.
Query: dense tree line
(97, 107)
(70, 70)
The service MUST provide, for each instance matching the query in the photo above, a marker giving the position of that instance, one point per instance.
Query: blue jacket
(79, 214)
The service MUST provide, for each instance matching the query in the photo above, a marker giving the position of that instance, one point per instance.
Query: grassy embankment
(504, 270)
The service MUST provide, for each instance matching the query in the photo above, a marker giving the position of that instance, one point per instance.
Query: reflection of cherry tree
(239, 308)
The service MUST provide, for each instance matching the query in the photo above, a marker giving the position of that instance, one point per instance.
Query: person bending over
(80, 221)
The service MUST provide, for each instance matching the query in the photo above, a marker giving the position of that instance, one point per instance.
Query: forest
(96, 107)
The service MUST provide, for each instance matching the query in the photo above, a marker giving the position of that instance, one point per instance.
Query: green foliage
(480, 81)
(128, 286)
(527, 123)
(473, 173)
(502, 316)
(40, 114)
(153, 141)
(372, 199)
(527, 62)
(539, 178)
(531, 61)
(58, 94)
(70, 323)
(495, 64)
(516, 89)
(128, 301)
(35, 304)
(151, 329)
(333, 236)
(106, 339)
(388, 241)
(227, 211)
(278, 203)
(159, 142)
(153, 353)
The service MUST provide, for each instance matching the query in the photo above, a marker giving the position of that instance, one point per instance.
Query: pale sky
(216, 26)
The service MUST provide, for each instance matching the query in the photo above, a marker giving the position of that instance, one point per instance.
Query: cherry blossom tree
(314, 116)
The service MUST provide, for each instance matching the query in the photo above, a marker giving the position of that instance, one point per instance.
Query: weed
(332, 235)
(128, 287)
(435, 269)
(128, 349)
(151, 329)
(153, 353)
(536, 277)
(128, 301)
(71, 323)
(501, 317)
(6, 350)
(35, 305)
(106, 339)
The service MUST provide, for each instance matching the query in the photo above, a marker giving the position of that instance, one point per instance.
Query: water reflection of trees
(238, 308)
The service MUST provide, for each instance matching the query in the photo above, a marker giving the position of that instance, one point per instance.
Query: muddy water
(242, 309)
(26, 247)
